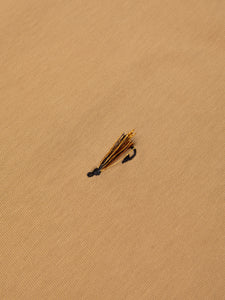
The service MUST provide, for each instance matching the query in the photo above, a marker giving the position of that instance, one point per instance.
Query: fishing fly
(116, 154)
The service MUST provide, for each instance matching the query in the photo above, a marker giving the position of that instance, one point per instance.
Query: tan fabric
(74, 75)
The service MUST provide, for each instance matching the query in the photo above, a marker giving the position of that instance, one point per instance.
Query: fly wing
(124, 145)
(114, 147)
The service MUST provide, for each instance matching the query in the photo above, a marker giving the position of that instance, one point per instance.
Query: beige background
(74, 75)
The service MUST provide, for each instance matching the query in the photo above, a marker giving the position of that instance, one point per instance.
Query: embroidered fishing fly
(124, 143)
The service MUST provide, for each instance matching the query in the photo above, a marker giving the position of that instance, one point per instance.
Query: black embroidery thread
(128, 157)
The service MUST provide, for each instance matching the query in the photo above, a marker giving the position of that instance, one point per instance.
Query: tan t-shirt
(73, 76)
